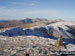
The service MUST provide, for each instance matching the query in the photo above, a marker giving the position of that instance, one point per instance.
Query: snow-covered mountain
(51, 31)
(55, 29)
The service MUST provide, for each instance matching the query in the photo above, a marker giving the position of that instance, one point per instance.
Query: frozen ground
(30, 44)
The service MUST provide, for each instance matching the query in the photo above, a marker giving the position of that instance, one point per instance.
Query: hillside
(48, 33)
(25, 23)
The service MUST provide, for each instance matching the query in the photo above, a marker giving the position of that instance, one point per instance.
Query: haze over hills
(24, 22)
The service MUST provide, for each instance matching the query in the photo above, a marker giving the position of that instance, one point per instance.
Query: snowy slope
(51, 31)
(13, 32)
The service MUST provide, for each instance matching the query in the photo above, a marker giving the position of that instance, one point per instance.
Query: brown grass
(27, 25)
(73, 26)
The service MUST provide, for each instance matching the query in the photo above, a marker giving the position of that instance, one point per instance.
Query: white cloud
(23, 3)
(6, 13)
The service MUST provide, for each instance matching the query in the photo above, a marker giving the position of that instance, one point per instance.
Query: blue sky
(50, 9)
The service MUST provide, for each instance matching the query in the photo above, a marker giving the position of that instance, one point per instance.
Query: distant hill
(23, 22)
(26, 21)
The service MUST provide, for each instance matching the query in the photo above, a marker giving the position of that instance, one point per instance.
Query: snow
(17, 31)
(55, 30)
(13, 32)
(70, 47)
(48, 31)
(62, 24)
